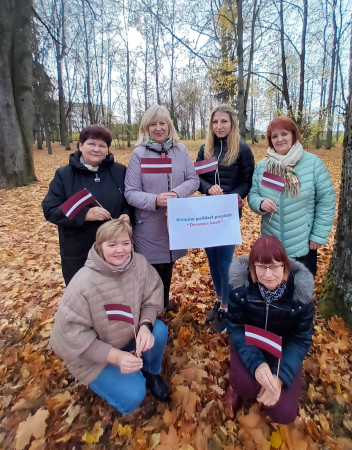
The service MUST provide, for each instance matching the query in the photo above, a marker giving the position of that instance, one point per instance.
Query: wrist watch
(149, 325)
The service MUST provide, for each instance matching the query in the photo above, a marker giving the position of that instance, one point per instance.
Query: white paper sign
(199, 222)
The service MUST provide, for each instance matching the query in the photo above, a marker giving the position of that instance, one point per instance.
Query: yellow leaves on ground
(34, 425)
(42, 407)
(275, 439)
(94, 436)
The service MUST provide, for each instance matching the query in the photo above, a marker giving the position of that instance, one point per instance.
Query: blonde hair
(233, 138)
(154, 113)
(111, 230)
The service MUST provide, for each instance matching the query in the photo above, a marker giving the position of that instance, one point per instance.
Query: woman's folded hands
(127, 362)
(270, 391)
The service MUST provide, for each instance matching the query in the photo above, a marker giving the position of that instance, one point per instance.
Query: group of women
(107, 328)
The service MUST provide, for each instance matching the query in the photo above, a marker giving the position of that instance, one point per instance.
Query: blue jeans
(219, 263)
(126, 392)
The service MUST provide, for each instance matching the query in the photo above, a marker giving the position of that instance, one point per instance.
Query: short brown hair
(111, 230)
(265, 250)
(95, 132)
(287, 124)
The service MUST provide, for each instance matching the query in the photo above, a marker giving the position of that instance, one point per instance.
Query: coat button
(300, 307)
(236, 294)
(242, 299)
(293, 310)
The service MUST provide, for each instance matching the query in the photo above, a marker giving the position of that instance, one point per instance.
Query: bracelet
(149, 325)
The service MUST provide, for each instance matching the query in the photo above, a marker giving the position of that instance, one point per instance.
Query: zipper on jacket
(218, 162)
(282, 218)
(266, 316)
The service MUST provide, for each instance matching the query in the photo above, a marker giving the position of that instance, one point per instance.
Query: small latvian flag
(76, 203)
(263, 339)
(207, 165)
(273, 181)
(156, 165)
(119, 312)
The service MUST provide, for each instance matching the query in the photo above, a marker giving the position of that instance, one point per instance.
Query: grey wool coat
(150, 232)
(83, 334)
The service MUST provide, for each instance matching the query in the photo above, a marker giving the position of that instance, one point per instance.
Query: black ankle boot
(157, 386)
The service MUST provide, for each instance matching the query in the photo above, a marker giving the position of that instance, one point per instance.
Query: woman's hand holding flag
(127, 362)
(145, 340)
(270, 391)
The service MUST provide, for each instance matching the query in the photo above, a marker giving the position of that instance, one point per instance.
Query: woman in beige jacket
(115, 296)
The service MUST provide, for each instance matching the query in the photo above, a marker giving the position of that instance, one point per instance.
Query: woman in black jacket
(235, 170)
(274, 293)
(92, 167)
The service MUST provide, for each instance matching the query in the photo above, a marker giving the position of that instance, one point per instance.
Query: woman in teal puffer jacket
(301, 217)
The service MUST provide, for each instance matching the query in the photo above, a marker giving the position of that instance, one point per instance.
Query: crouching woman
(115, 295)
(274, 293)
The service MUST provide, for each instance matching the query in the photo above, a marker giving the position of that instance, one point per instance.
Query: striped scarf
(283, 166)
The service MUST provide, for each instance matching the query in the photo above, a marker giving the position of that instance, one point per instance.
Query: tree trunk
(146, 77)
(128, 82)
(38, 132)
(302, 61)
(240, 80)
(47, 137)
(251, 54)
(89, 96)
(331, 83)
(16, 95)
(336, 296)
(285, 91)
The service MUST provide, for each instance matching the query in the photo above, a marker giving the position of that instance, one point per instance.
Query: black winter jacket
(290, 317)
(234, 179)
(77, 236)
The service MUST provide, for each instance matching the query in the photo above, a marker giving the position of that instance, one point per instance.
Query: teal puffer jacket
(298, 220)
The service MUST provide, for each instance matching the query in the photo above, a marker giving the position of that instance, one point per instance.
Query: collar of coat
(303, 279)
(75, 161)
(158, 148)
(95, 262)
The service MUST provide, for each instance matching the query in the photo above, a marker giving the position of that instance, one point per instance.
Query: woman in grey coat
(148, 193)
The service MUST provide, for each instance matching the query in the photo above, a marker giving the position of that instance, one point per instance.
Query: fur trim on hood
(303, 281)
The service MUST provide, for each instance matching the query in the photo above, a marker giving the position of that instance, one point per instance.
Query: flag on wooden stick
(207, 165)
(263, 339)
(122, 313)
(273, 181)
(76, 203)
(156, 165)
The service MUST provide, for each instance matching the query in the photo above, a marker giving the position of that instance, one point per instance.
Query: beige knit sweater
(82, 334)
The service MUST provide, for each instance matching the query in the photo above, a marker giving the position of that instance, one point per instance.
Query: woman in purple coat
(148, 193)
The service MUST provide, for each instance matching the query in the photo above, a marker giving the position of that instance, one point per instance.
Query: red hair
(266, 250)
(95, 132)
(287, 124)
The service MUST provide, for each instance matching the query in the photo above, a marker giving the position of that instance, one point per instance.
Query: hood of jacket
(75, 161)
(303, 279)
(95, 262)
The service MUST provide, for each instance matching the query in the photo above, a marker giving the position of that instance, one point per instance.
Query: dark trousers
(285, 410)
(165, 272)
(310, 260)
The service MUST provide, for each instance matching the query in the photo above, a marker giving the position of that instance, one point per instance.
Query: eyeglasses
(274, 268)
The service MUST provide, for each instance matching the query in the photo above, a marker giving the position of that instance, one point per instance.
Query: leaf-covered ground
(43, 407)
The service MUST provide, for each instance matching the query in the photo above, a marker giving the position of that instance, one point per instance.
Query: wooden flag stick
(217, 171)
(170, 181)
(103, 208)
(275, 205)
(277, 373)
(135, 336)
